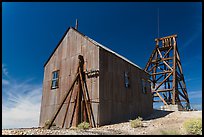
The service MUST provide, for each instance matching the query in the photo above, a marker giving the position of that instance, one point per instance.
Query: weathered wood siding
(65, 59)
(118, 103)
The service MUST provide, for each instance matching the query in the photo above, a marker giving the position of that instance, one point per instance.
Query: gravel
(152, 125)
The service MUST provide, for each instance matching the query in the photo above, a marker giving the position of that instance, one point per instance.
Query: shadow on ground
(157, 114)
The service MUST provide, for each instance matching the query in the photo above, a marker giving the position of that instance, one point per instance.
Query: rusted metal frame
(163, 60)
(86, 103)
(65, 116)
(174, 72)
(61, 103)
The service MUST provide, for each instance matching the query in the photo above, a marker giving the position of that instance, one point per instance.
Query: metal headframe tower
(166, 75)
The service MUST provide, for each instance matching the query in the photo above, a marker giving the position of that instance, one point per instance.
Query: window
(55, 80)
(144, 86)
(126, 77)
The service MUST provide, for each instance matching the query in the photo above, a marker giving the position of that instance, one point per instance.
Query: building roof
(95, 43)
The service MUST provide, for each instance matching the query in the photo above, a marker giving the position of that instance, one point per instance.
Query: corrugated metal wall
(118, 103)
(65, 59)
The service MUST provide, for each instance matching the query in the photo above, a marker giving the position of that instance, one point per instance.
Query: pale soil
(154, 125)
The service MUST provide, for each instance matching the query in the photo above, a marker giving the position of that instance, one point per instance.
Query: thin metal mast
(158, 21)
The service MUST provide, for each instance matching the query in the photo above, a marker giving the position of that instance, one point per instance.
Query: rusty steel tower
(166, 75)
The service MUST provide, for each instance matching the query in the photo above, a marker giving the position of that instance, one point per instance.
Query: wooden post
(174, 72)
(61, 103)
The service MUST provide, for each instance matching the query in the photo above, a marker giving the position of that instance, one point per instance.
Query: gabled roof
(95, 43)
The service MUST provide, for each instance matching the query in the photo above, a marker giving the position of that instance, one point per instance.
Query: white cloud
(195, 94)
(21, 105)
(194, 36)
(5, 82)
(4, 70)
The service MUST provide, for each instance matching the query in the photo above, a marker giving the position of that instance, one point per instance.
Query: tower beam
(166, 74)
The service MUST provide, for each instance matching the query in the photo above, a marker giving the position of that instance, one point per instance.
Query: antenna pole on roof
(76, 26)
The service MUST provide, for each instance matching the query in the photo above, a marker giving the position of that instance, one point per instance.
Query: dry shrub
(47, 123)
(193, 126)
(136, 123)
(83, 125)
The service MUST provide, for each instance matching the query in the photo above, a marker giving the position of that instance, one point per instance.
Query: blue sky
(32, 30)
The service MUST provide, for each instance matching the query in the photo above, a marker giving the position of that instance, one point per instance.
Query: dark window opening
(144, 86)
(55, 80)
(127, 84)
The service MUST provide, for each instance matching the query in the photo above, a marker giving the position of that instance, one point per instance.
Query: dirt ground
(156, 124)
(159, 121)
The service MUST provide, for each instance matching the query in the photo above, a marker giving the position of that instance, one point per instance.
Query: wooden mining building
(86, 81)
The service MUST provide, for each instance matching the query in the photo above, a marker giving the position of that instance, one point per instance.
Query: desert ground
(159, 123)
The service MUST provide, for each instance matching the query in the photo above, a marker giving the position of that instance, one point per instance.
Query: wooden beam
(151, 57)
(174, 72)
(163, 90)
(85, 99)
(168, 51)
(73, 111)
(163, 60)
(65, 116)
(163, 72)
(163, 81)
(61, 103)
(161, 98)
(172, 36)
